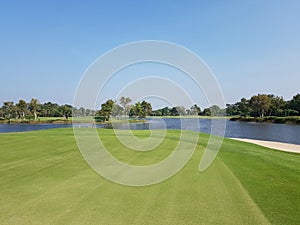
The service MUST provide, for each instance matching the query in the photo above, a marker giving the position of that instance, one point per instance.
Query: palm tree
(125, 102)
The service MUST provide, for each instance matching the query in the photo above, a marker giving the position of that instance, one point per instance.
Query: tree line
(125, 108)
(260, 105)
(34, 109)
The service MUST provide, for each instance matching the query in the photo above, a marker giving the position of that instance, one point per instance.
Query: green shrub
(280, 120)
(99, 118)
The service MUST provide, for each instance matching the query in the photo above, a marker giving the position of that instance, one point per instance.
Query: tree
(195, 110)
(106, 109)
(146, 108)
(8, 109)
(178, 111)
(88, 112)
(278, 106)
(206, 112)
(174, 112)
(66, 111)
(136, 110)
(244, 107)
(21, 108)
(82, 111)
(50, 109)
(1, 113)
(156, 113)
(294, 104)
(165, 111)
(117, 110)
(33, 107)
(260, 104)
(140, 110)
(125, 102)
(216, 110)
(181, 110)
(232, 109)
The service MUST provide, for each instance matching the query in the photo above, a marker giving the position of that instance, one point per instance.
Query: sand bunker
(275, 145)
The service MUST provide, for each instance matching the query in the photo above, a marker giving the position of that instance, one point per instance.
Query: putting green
(45, 180)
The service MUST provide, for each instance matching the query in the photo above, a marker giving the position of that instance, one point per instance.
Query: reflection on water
(29, 127)
(262, 131)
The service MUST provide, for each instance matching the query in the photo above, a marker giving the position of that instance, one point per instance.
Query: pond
(262, 131)
(234, 129)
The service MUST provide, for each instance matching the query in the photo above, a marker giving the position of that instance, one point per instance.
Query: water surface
(262, 131)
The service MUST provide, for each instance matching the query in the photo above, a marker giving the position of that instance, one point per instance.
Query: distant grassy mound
(45, 180)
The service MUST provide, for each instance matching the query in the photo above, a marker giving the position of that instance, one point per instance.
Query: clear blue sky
(45, 46)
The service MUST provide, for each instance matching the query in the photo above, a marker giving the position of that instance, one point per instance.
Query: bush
(29, 117)
(280, 120)
(99, 118)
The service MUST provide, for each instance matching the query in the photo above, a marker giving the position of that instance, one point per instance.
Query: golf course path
(274, 145)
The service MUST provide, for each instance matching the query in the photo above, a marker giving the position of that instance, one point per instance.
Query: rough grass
(44, 180)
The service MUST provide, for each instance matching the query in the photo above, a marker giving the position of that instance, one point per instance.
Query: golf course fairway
(45, 180)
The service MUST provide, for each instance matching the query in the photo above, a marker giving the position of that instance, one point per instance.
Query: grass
(44, 180)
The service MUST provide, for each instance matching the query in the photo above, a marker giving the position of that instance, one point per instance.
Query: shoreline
(191, 117)
(292, 120)
(280, 146)
(68, 121)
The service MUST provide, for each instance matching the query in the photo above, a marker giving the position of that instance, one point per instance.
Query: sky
(46, 46)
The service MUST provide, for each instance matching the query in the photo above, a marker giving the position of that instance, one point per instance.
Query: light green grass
(44, 180)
